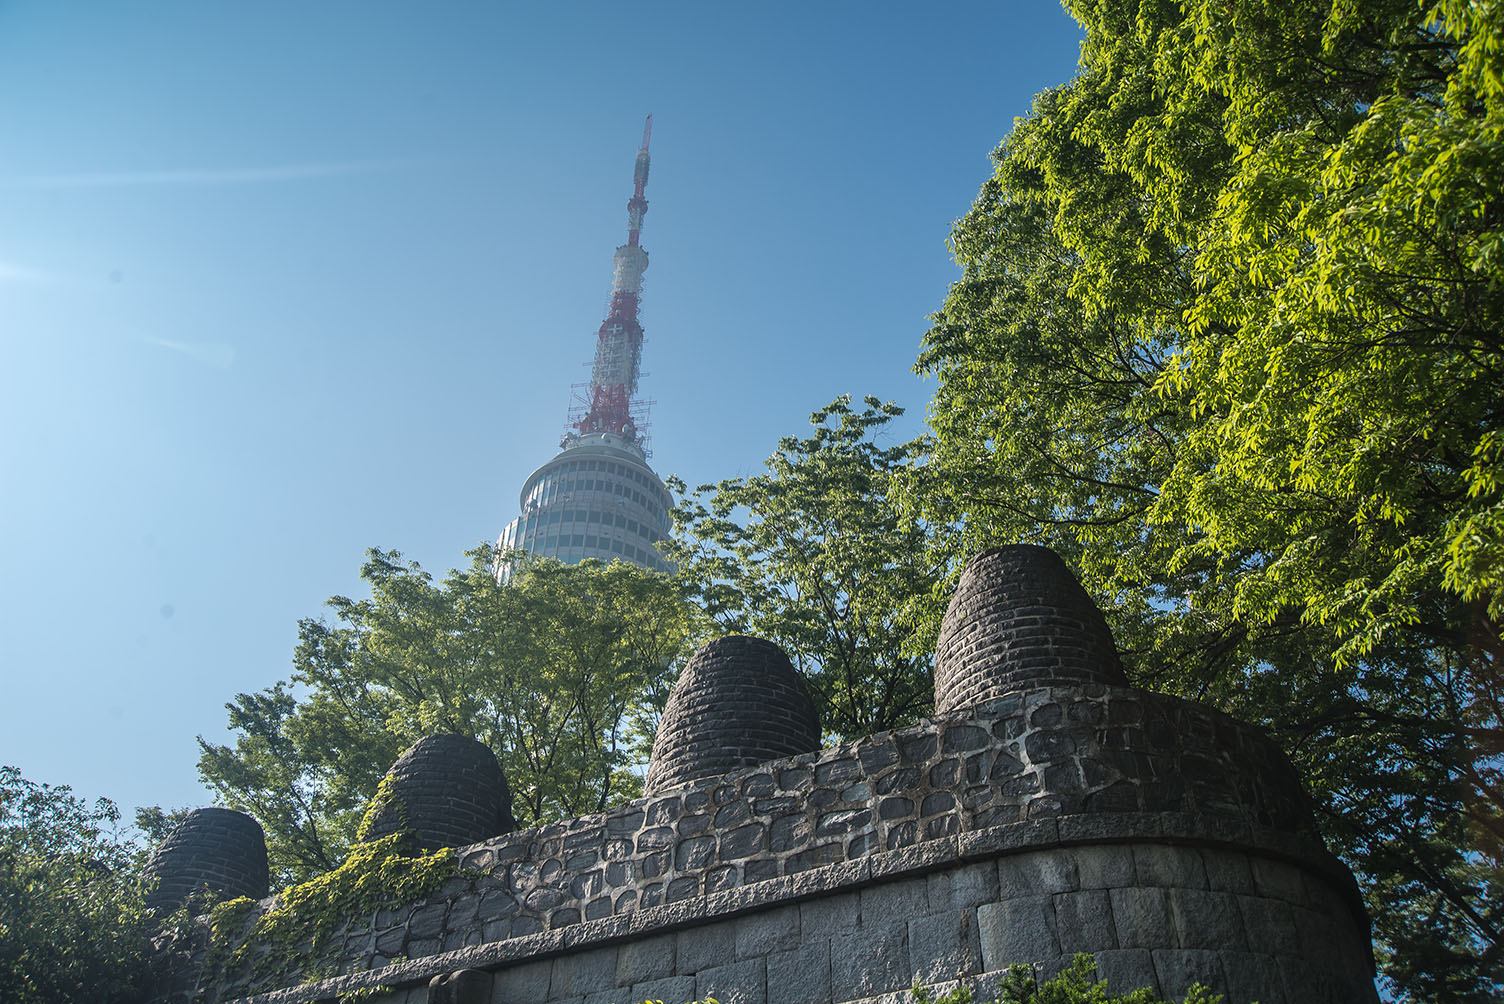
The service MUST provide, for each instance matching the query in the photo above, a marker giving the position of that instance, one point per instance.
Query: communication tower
(598, 498)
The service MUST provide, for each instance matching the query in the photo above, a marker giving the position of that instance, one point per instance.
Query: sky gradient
(281, 282)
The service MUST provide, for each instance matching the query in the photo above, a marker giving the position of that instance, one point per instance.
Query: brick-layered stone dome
(1020, 619)
(738, 703)
(216, 849)
(449, 790)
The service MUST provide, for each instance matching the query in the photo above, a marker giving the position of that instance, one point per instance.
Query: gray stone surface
(1141, 917)
(704, 948)
(1019, 618)
(767, 933)
(1105, 866)
(733, 983)
(1178, 968)
(1252, 977)
(675, 989)
(1083, 921)
(1276, 882)
(1205, 919)
(644, 959)
(894, 901)
(1162, 865)
(465, 986)
(737, 703)
(1127, 970)
(449, 790)
(580, 973)
(869, 961)
(1269, 924)
(527, 982)
(1020, 929)
(220, 850)
(1227, 871)
(800, 975)
(831, 914)
(1037, 872)
(960, 888)
(944, 946)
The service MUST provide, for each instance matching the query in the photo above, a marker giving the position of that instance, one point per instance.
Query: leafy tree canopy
(813, 556)
(1228, 336)
(561, 672)
(73, 922)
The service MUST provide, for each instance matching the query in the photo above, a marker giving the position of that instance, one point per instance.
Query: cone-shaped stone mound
(449, 790)
(1020, 619)
(216, 849)
(738, 703)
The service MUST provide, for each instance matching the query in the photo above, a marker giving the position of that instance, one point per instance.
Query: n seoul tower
(598, 498)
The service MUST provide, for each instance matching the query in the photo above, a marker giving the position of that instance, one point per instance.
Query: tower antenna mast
(618, 348)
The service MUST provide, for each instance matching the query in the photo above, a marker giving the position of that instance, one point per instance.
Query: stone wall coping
(1050, 833)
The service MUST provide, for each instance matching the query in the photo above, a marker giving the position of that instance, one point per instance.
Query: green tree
(561, 672)
(155, 823)
(1228, 336)
(73, 922)
(812, 555)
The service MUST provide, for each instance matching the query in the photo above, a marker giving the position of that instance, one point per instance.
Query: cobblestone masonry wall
(1017, 780)
(220, 849)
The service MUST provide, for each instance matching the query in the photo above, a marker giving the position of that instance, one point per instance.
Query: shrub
(1077, 984)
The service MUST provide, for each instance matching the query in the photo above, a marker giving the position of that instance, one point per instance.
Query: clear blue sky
(283, 281)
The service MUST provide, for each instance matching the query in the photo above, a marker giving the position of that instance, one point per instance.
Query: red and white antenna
(618, 349)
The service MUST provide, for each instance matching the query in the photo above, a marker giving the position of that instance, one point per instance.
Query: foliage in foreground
(1228, 337)
(281, 941)
(73, 922)
(814, 556)
(561, 673)
(1076, 984)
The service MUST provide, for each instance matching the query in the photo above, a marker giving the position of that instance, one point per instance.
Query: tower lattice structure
(598, 497)
(618, 348)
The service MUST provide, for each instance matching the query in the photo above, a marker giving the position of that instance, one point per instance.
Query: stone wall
(1010, 782)
(1152, 915)
(1050, 809)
